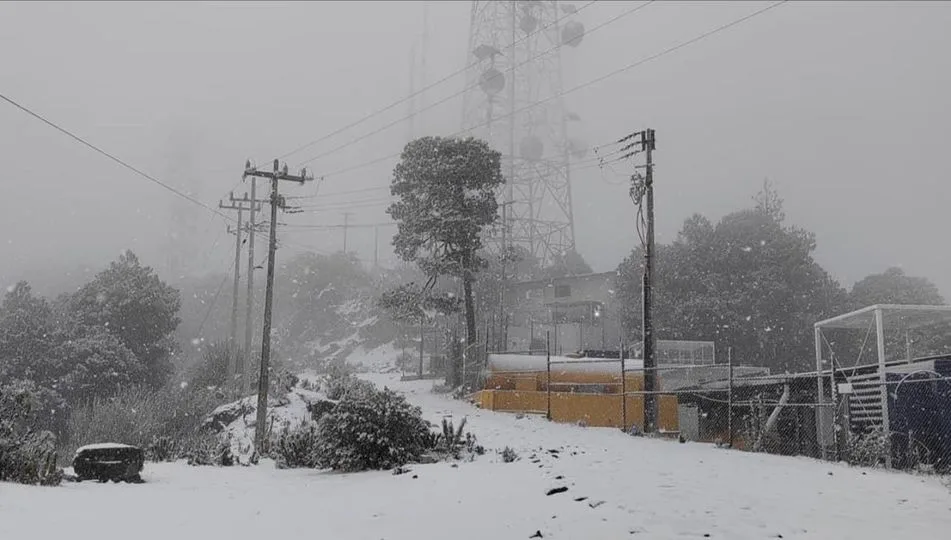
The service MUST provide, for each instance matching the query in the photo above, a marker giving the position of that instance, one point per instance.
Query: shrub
(162, 448)
(868, 449)
(453, 442)
(26, 456)
(348, 385)
(211, 370)
(162, 422)
(376, 430)
(29, 459)
(296, 447)
(208, 449)
(509, 455)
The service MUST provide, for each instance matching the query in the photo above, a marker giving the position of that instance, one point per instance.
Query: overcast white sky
(843, 106)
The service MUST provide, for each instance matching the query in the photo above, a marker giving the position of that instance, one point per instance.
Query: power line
(424, 89)
(618, 71)
(343, 206)
(328, 226)
(118, 160)
(338, 193)
(464, 90)
(95, 148)
(351, 201)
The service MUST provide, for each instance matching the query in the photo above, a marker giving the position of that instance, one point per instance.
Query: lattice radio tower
(512, 100)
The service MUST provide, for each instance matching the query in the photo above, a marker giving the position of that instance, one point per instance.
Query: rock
(557, 490)
(109, 461)
(579, 499)
(538, 534)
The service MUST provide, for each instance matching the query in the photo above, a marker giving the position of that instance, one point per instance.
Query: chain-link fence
(742, 407)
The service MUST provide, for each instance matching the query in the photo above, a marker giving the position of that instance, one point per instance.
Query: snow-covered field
(632, 487)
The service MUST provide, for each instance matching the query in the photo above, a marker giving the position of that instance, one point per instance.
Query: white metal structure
(869, 390)
(513, 100)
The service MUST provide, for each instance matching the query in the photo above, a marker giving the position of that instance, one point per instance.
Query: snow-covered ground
(632, 487)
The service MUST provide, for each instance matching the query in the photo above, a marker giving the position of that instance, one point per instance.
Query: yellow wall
(538, 380)
(596, 410)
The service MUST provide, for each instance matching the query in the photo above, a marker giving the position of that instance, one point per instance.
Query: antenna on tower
(417, 76)
(513, 101)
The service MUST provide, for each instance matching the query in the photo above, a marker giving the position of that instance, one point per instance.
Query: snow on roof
(103, 446)
(560, 364)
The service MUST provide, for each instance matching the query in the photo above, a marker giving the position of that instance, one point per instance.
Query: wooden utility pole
(254, 207)
(276, 201)
(650, 363)
(232, 336)
(240, 206)
(642, 187)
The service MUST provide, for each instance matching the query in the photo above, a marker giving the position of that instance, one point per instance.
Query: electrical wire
(425, 88)
(511, 69)
(338, 193)
(98, 150)
(337, 225)
(602, 78)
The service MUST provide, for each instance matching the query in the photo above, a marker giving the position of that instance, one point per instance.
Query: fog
(842, 106)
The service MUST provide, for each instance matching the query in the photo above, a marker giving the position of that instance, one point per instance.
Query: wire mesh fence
(748, 409)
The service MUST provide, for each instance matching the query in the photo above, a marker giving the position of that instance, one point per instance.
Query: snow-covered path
(634, 487)
(663, 489)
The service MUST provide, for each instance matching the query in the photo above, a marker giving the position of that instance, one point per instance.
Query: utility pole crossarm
(278, 174)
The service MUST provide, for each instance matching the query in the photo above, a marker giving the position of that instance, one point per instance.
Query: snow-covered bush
(163, 422)
(374, 430)
(868, 449)
(296, 447)
(347, 385)
(211, 370)
(208, 449)
(162, 448)
(509, 455)
(26, 456)
(453, 443)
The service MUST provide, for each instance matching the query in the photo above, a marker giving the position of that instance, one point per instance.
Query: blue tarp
(920, 416)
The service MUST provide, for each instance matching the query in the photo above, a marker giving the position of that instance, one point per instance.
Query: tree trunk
(470, 312)
(471, 337)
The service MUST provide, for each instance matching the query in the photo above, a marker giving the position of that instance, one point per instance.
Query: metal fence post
(623, 387)
(729, 397)
(548, 371)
